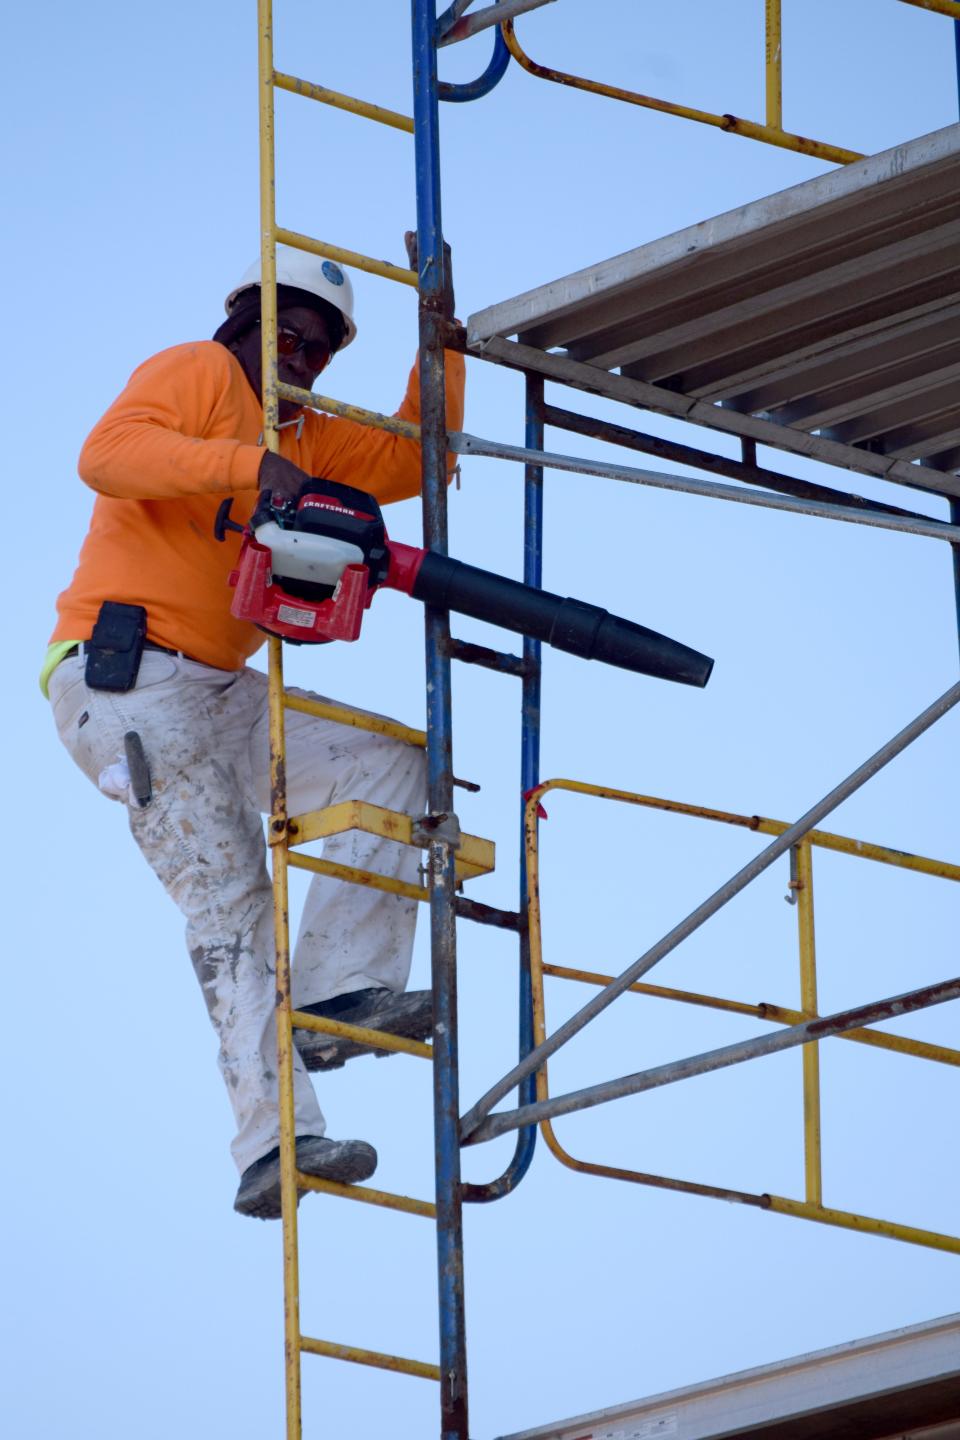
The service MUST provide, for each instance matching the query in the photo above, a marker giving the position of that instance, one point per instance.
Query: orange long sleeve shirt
(181, 437)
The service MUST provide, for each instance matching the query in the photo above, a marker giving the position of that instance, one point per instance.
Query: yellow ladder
(474, 856)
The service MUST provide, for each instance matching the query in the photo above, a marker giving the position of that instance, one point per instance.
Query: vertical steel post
(278, 779)
(529, 738)
(808, 1004)
(955, 549)
(443, 939)
(955, 504)
(529, 777)
(774, 72)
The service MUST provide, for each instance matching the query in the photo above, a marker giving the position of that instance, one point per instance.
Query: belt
(147, 645)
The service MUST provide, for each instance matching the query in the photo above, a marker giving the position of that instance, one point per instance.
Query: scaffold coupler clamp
(443, 826)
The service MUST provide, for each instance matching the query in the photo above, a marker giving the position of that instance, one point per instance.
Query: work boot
(345, 1160)
(409, 1015)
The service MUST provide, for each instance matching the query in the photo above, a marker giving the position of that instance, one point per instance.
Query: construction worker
(145, 642)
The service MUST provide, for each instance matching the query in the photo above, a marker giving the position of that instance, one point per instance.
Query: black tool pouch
(115, 648)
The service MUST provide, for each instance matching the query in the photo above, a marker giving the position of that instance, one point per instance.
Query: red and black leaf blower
(310, 567)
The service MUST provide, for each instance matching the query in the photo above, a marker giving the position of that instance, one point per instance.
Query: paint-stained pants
(205, 734)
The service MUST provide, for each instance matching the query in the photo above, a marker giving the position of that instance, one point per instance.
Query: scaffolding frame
(437, 333)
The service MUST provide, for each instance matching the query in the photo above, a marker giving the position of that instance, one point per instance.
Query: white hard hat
(323, 278)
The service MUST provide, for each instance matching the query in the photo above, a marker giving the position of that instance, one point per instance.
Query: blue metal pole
(529, 777)
(491, 77)
(443, 937)
(529, 734)
(955, 504)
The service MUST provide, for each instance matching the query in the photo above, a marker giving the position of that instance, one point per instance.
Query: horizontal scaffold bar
(306, 88)
(763, 825)
(463, 444)
(764, 1010)
(719, 1059)
(865, 1224)
(370, 1357)
(675, 451)
(643, 395)
(732, 124)
(669, 942)
(401, 273)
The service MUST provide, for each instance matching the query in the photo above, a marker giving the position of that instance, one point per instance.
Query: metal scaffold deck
(904, 1382)
(829, 310)
(830, 307)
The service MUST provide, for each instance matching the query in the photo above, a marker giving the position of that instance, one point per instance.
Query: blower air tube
(571, 625)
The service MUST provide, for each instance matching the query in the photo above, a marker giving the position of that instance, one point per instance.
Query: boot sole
(264, 1202)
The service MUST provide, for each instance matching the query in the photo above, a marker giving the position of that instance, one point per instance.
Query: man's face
(303, 335)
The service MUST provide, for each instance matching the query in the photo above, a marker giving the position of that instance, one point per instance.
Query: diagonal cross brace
(806, 1031)
(535, 1058)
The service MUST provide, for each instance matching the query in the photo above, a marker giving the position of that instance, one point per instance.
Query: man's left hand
(413, 255)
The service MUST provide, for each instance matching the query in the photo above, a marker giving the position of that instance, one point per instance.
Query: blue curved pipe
(476, 89)
(529, 777)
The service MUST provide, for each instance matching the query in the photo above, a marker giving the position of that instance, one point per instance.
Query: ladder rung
(401, 273)
(471, 654)
(489, 915)
(370, 1357)
(343, 102)
(379, 1039)
(353, 876)
(310, 398)
(360, 719)
(474, 856)
(367, 1196)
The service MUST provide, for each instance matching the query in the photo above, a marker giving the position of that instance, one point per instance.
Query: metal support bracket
(445, 826)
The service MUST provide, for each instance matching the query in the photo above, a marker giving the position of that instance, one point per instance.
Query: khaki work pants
(205, 734)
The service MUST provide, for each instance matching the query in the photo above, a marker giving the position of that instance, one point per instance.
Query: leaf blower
(309, 567)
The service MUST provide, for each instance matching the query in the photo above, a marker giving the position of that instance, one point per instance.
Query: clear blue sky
(135, 1300)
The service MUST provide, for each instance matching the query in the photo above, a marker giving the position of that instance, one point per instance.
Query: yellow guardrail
(811, 1207)
(770, 131)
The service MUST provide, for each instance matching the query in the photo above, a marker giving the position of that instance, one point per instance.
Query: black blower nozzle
(571, 625)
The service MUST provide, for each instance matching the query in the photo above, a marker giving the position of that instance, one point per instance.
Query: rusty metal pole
(443, 938)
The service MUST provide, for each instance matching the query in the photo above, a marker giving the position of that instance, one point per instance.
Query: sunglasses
(289, 341)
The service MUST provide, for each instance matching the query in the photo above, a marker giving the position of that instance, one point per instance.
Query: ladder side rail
(278, 797)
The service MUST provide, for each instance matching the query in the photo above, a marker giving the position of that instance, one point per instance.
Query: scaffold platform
(824, 319)
(904, 1382)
